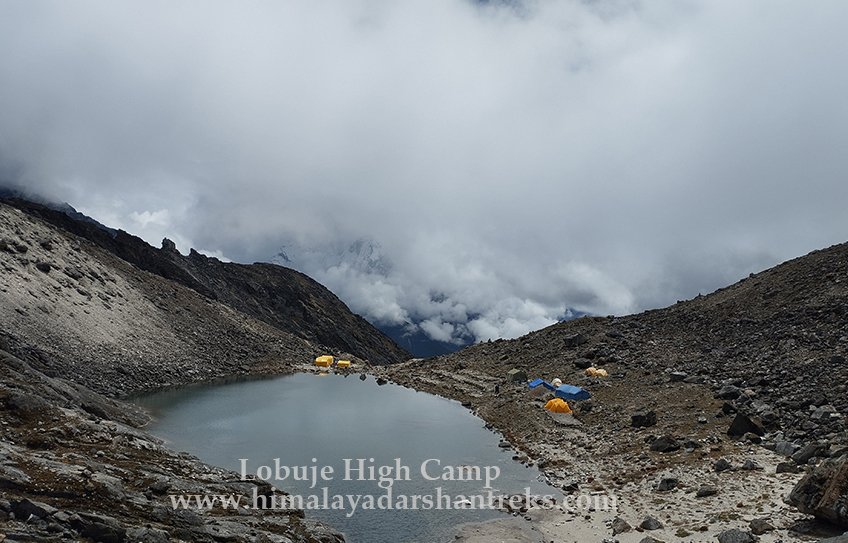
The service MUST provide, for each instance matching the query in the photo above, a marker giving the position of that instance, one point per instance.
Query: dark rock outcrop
(743, 424)
(824, 492)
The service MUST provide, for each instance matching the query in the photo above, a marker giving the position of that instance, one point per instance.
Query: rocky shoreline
(76, 464)
(115, 478)
(692, 451)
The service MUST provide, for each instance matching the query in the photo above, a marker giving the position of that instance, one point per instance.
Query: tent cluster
(326, 361)
(540, 387)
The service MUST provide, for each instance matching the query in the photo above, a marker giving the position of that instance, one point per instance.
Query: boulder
(516, 375)
(752, 438)
(736, 536)
(706, 491)
(825, 413)
(824, 492)
(722, 465)
(743, 424)
(803, 455)
(574, 340)
(786, 448)
(665, 444)
(643, 419)
(650, 523)
(619, 526)
(148, 535)
(582, 363)
(760, 526)
(25, 508)
(728, 392)
(787, 467)
(667, 483)
(100, 528)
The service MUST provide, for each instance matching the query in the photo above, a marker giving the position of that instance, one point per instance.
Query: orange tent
(558, 405)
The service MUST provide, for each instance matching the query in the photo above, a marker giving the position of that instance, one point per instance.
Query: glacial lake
(331, 418)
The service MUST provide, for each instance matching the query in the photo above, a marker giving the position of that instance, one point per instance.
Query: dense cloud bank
(508, 161)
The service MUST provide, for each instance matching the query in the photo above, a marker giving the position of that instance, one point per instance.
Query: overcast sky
(510, 161)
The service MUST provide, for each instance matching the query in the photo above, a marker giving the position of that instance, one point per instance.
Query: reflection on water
(331, 418)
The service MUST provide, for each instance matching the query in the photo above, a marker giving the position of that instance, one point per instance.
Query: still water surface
(331, 418)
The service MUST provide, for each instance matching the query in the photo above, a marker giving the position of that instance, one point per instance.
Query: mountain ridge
(281, 297)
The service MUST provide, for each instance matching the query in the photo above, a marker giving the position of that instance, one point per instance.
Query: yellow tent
(343, 363)
(324, 361)
(558, 405)
(595, 372)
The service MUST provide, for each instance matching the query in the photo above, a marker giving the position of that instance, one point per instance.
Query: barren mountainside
(281, 297)
(694, 391)
(80, 326)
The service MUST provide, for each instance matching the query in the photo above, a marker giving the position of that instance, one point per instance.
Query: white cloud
(512, 161)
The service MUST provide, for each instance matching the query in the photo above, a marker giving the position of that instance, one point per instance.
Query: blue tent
(540, 382)
(571, 392)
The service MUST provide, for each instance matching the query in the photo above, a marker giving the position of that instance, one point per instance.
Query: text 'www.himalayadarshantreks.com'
(320, 497)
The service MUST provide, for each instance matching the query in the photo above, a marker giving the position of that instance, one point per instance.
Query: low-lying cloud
(512, 160)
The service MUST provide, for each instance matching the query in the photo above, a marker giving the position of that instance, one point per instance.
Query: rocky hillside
(763, 359)
(773, 344)
(80, 326)
(81, 313)
(288, 300)
(280, 297)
